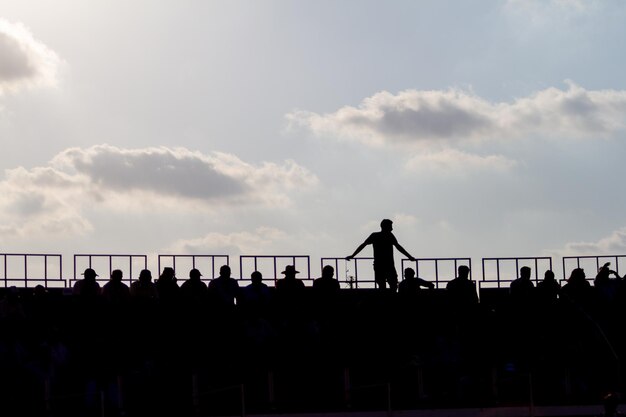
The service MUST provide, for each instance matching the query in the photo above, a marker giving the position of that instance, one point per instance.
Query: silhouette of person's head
(168, 274)
(386, 225)
(577, 275)
(290, 272)
(409, 273)
(328, 271)
(524, 272)
(463, 271)
(225, 271)
(145, 276)
(90, 274)
(195, 275)
(548, 276)
(116, 275)
(256, 277)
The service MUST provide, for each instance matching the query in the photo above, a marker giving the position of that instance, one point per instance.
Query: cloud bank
(55, 198)
(614, 244)
(453, 116)
(24, 61)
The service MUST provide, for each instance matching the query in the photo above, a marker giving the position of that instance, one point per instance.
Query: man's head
(463, 271)
(386, 225)
(225, 271)
(409, 273)
(328, 271)
(524, 272)
(256, 277)
(548, 276)
(168, 272)
(90, 274)
(145, 275)
(194, 274)
(290, 271)
(116, 275)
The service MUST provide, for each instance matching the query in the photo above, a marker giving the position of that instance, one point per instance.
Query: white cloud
(54, 198)
(614, 244)
(238, 243)
(452, 162)
(431, 117)
(24, 61)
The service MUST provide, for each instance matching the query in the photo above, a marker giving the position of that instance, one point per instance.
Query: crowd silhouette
(157, 337)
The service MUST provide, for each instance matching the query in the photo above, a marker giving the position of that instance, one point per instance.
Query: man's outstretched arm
(403, 251)
(359, 249)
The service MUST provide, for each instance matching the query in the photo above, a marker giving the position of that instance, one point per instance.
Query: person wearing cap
(224, 290)
(383, 243)
(144, 288)
(87, 287)
(193, 288)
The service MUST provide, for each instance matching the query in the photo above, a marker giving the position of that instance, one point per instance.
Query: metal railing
(350, 280)
(197, 262)
(109, 259)
(24, 278)
(276, 262)
(437, 264)
(532, 261)
(594, 261)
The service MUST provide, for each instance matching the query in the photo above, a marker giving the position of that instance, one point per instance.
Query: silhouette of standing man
(383, 243)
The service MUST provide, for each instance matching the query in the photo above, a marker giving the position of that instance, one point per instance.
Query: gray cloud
(57, 196)
(24, 61)
(163, 171)
(428, 117)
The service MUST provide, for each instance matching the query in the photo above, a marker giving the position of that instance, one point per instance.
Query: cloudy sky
(483, 128)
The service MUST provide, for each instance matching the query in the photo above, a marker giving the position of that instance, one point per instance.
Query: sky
(481, 128)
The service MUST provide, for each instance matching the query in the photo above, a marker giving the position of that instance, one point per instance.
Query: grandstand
(359, 350)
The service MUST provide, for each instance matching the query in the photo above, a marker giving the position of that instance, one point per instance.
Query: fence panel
(208, 265)
(104, 264)
(498, 272)
(31, 269)
(271, 267)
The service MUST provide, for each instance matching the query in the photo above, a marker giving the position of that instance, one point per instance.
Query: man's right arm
(360, 248)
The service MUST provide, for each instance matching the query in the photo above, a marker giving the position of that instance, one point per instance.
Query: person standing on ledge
(383, 243)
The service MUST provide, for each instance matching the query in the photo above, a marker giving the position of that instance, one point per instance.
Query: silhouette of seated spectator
(166, 285)
(289, 285)
(224, 290)
(577, 289)
(412, 284)
(326, 285)
(144, 288)
(256, 297)
(115, 291)
(87, 287)
(461, 291)
(522, 289)
(548, 289)
(194, 288)
(606, 287)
